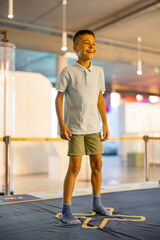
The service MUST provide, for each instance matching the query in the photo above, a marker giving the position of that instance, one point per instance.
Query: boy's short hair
(80, 33)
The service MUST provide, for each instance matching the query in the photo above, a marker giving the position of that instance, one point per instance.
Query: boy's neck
(85, 64)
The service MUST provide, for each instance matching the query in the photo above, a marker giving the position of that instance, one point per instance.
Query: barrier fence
(7, 141)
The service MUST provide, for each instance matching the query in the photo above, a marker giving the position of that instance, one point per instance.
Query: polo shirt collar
(76, 64)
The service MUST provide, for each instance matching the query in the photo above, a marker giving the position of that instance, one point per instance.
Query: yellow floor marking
(84, 225)
(104, 222)
(88, 218)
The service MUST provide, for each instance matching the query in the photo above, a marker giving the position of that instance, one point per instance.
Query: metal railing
(7, 141)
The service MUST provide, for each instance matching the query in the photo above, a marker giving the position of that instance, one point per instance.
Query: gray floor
(114, 173)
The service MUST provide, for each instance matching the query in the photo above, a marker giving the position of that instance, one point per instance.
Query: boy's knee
(75, 169)
(97, 166)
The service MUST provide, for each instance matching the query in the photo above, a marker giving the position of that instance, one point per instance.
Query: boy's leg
(73, 170)
(96, 180)
(96, 173)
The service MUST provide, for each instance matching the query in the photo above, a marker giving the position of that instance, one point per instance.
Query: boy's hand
(105, 133)
(64, 132)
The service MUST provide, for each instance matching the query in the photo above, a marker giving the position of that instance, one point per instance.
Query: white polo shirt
(81, 87)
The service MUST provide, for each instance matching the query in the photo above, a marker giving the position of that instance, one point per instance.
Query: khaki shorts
(86, 144)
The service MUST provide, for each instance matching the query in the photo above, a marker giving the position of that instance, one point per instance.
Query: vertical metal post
(6, 140)
(146, 159)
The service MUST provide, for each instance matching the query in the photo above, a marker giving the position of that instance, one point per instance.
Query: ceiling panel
(146, 26)
(28, 10)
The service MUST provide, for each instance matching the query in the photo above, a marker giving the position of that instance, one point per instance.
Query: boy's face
(85, 47)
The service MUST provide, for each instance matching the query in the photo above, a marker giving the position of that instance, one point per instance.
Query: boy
(82, 84)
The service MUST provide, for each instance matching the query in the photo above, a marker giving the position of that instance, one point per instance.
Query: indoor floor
(114, 172)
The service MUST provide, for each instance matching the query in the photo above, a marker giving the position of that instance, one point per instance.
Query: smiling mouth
(90, 51)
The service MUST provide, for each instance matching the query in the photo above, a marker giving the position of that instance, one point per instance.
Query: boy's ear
(74, 48)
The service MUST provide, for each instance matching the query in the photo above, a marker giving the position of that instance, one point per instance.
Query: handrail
(38, 139)
(16, 139)
(125, 138)
(154, 138)
(7, 140)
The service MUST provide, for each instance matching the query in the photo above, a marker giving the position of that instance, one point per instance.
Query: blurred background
(128, 50)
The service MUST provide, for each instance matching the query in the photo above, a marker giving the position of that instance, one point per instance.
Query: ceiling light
(139, 61)
(139, 97)
(139, 67)
(64, 33)
(153, 99)
(64, 48)
(10, 9)
(139, 72)
(64, 41)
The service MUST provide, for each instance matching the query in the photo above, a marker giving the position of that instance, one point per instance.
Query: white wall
(139, 117)
(33, 105)
(32, 119)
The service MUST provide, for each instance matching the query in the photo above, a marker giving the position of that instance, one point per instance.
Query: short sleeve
(63, 81)
(102, 81)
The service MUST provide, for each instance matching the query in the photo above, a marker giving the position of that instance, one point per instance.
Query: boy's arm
(64, 130)
(102, 111)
